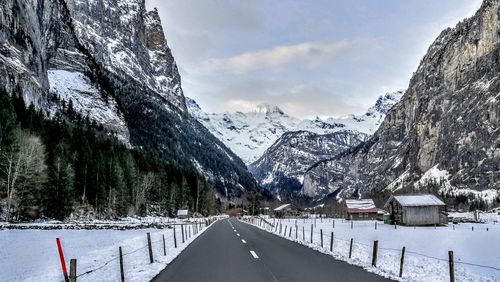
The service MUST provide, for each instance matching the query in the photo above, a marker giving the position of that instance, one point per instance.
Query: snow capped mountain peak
(268, 109)
(250, 134)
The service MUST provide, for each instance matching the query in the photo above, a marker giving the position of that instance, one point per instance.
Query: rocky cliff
(444, 133)
(111, 61)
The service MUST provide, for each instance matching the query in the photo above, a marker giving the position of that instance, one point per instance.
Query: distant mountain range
(250, 134)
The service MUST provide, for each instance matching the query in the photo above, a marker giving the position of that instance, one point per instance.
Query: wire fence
(180, 237)
(304, 231)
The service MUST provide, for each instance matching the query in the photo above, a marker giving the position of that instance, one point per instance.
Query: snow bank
(31, 255)
(426, 259)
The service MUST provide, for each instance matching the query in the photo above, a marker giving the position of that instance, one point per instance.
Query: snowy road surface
(234, 251)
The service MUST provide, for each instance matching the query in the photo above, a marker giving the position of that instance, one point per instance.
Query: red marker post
(63, 262)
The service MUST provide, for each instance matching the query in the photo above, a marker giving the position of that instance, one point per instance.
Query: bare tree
(24, 169)
(147, 183)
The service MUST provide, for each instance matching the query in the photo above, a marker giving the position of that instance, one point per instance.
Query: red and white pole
(63, 262)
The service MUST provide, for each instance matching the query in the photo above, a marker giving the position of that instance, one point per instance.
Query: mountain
(249, 134)
(110, 61)
(444, 134)
(281, 168)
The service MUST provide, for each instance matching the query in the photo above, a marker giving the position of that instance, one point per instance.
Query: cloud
(308, 54)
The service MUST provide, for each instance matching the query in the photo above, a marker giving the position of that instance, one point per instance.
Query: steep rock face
(447, 121)
(111, 60)
(281, 169)
(250, 134)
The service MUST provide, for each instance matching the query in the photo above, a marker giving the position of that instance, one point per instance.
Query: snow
(418, 200)
(426, 258)
(360, 204)
(281, 207)
(250, 134)
(87, 100)
(31, 255)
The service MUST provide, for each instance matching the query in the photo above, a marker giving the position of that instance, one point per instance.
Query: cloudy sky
(312, 58)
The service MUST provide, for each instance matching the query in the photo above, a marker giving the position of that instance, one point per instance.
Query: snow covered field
(31, 255)
(477, 253)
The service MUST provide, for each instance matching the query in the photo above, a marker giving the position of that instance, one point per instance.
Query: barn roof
(417, 200)
(361, 206)
(282, 207)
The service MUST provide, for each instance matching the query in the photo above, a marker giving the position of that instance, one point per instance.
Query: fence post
(350, 248)
(352, 224)
(333, 223)
(72, 270)
(290, 232)
(303, 234)
(63, 261)
(375, 252)
(452, 266)
(321, 235)
(311, 233)
(402, 262)
(175, 239)
(150, 248)
(286, 226)
(331, 242)
(122, 273)
(182, 228)
(164, 247)
(296, 232)
(375, 225)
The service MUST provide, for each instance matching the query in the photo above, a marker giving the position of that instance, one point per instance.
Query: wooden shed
(362, 209)
(286, 210)
(183, 213)
(416, 210)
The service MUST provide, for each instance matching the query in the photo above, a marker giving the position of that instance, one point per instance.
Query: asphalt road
(247, 253)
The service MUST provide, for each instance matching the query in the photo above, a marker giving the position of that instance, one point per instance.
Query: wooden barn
(416, 210)
(362, 209)
(286, 210)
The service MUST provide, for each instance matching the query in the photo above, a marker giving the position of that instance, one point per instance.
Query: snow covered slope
(249, 134)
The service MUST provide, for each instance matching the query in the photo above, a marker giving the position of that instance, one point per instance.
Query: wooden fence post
(321, 235)
(352, 224)
(164, 247)
(311, 233)
(350, 248)
(150, 248)
(182, 232)
(286, 226)
(375, 225)
(402, 262)
(296, 232)
(331, 242)
(122, 272)
(452, 266)
(175, 239)
(72, 270)
(375, 253)
(303, 234)
(290, 232)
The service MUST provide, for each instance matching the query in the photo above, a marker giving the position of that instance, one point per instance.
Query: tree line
(69, 166)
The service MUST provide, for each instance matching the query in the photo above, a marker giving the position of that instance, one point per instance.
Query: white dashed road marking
(244, 242)
(254, 254)
(238, 234)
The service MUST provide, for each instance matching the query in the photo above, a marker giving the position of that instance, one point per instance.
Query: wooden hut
(416, 210)
(363, 209)
(183, 213)
(286, 210)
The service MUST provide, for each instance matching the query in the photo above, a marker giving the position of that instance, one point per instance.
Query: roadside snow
(426, 259)
(31, 255)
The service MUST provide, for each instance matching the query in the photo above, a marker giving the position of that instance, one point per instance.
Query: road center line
(244, 242)
(254, 254)
(238, 234)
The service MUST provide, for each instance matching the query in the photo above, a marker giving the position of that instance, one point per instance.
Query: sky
(310, 58)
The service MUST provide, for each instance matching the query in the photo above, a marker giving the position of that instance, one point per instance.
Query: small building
(183, 213)
(416, 210)
(286, 210)
(363, 209)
